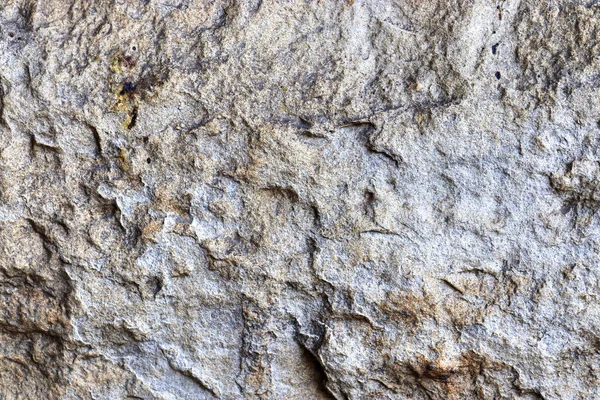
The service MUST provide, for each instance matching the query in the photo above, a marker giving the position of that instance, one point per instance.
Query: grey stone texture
(299, 199)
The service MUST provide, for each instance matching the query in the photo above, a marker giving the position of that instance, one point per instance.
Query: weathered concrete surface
(299, 199)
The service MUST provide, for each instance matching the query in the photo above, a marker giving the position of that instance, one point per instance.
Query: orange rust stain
(407, 308)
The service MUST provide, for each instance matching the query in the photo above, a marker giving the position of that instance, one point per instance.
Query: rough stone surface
(299, 199)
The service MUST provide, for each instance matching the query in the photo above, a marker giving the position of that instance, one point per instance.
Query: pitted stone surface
(299, 199)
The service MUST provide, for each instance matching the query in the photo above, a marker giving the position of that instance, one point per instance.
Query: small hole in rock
(158, 286)
(128, 87)
(148, 160)
(11, 35)
(134, 48)
(498, 75)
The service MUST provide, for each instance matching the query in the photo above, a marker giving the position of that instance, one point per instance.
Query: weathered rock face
(299, 199)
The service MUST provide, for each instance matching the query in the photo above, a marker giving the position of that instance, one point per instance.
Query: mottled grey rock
(299, 199)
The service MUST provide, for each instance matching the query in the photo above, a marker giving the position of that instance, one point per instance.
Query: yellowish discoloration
(115, 65)
(120, 61)
(126, 97)
(151, 230)
(126, 102)
(123, 158)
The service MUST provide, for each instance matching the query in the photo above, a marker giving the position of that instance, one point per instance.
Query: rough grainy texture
(299, 199)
